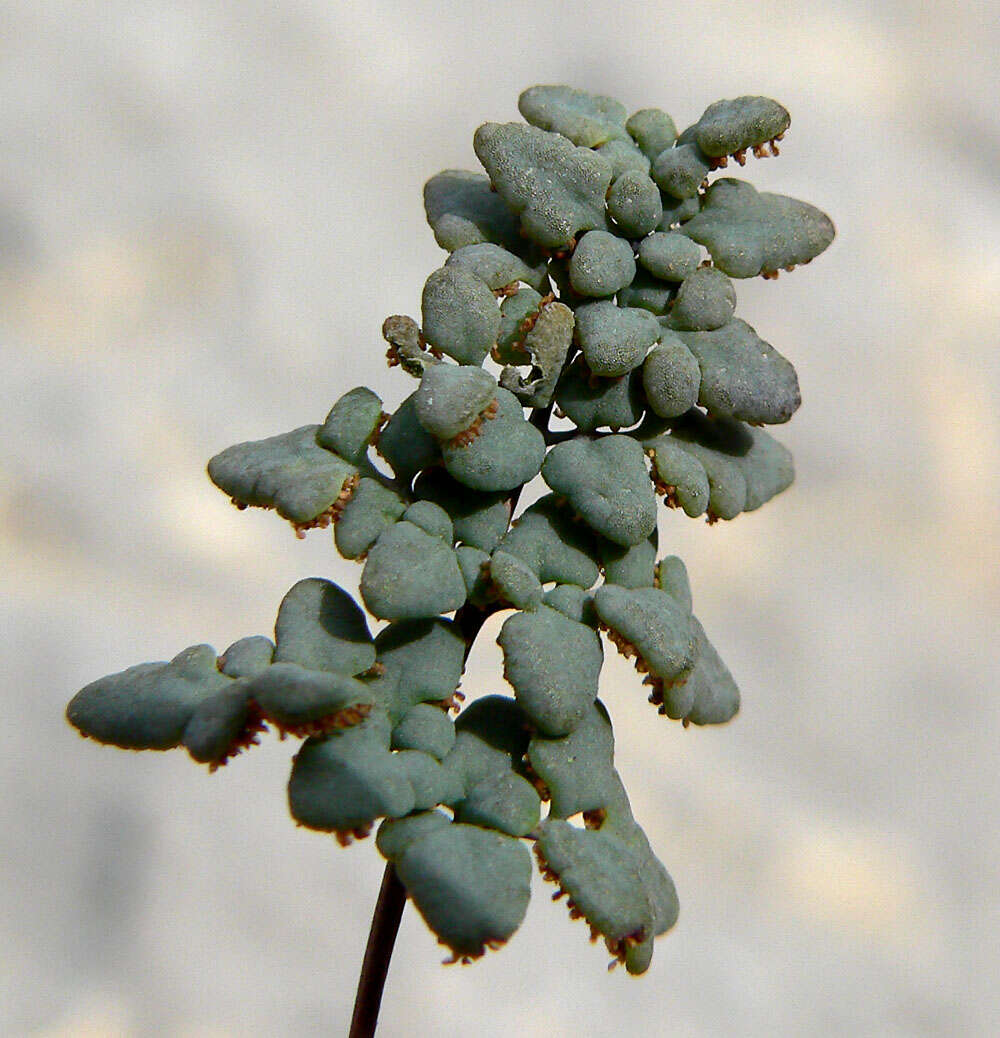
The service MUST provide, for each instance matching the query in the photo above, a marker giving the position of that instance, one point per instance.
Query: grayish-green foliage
(498, 267)
(557, 189)
(634, 203)
(727, 127)
(545, 345)
(291, 473)
(748, 232)
(586, 119)
(589, 275)
(614, 339)
(602, 264)
(669, 256)
(705, 300)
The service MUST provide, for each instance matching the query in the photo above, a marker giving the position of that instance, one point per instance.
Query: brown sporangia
(383, 421)
(346, 717)
(657, 684)
(772, 275)
(562, 253)
(332, 514)
(656, 696)
(452, 702)
(401, 332)
(325, 518)
(345, 837)
(525, 326)
(470, 435)
(535, 779)
(760, 151)
(617, 947)
(249, 735)
(606, 877)
(467, 958)
(621, 644)
(668, 491)
(529, 322)
(595, 818)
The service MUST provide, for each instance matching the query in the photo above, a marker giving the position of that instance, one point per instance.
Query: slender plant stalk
(392, 898)
(381, 939)
(392, 894)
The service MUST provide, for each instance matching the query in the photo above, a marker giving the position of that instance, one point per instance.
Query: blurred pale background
(206, 210)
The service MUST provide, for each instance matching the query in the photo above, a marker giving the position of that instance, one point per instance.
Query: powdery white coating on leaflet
(592, 403)
(606, 483)
(471, 885)
(478, 519)
(351, 423)
(292, 696)
(553, 545)
(727, 127)
(373, 507)
(497, 267)
(614, 339)
(557, 189)
(623, 156)
(421, 662)
(321, 627)
(147, 706)
(742, 376)
(451, 398)
(680, 171)
(432, 519)
(652, 130)
(634, 204)
(462, 210)
(601, 264)
(586, 119)
(749, 232)
(460, 314)
(514, 580)
(721, 465)
(671, 377)
(705, 300)
(345, 782)
(578, 769)
(669, 256)
(648, 293)
(411, 574)
(655, 623)
(290, 473)
(381, 741)
(506, 453)
(405, 444)
(554, 665)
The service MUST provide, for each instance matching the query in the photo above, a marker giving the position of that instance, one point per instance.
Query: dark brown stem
(392, 895)
(381, 938)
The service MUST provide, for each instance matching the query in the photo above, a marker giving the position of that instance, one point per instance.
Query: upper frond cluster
(590, 274)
